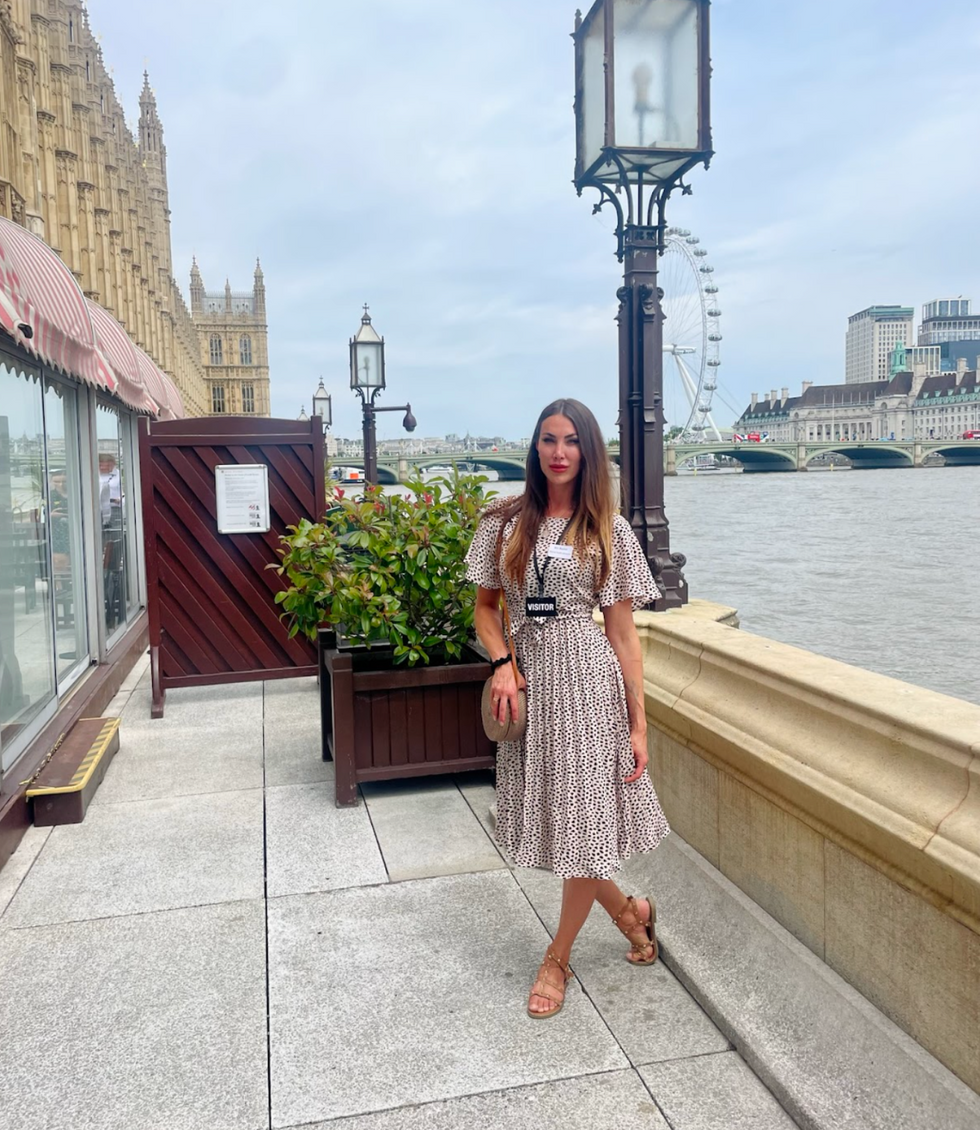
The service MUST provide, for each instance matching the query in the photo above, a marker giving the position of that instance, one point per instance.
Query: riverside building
(907, 406)
(950, 330)
(872, 334)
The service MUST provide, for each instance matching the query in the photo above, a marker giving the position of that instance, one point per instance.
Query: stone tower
(231, 327)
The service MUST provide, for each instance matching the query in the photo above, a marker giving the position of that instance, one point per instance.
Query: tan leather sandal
(546, 982)
(649, 930)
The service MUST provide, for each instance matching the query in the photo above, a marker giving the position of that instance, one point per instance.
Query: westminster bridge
(753, 457)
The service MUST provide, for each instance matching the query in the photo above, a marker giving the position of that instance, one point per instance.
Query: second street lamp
(323, 405)
(641, 123)
(367, 379)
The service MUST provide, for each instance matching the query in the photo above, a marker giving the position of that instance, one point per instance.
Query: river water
(876, 568)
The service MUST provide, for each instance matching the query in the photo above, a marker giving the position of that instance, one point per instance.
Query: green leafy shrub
(388, 568)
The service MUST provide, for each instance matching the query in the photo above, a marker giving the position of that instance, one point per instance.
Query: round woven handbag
(513, 728)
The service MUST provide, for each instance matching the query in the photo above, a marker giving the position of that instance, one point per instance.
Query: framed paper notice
(242, 494)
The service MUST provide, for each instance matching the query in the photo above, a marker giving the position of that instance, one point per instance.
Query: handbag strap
(510, 635)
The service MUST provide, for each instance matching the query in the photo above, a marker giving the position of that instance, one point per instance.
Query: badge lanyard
(541, 605)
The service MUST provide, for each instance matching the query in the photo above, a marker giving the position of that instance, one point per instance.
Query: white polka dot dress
(562, 802)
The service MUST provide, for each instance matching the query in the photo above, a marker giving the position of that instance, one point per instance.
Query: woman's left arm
(621, 633)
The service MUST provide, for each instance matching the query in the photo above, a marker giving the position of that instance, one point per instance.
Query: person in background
(110, 490)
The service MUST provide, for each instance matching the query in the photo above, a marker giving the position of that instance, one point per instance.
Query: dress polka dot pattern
(562, 802)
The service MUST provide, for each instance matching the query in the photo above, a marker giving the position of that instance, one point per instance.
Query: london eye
(692, 337)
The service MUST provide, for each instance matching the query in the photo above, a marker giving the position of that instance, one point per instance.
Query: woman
(573, 795)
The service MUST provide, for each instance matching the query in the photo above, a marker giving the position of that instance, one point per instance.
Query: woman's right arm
(490, 631)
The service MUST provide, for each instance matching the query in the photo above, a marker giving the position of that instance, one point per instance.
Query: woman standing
(573, 795)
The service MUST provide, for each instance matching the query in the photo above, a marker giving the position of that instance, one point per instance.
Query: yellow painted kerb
(83, 774)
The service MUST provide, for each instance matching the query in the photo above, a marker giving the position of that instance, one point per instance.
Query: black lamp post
(642, 74)
(367, 378)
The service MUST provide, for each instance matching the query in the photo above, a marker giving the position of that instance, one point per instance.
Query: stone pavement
(218, 947)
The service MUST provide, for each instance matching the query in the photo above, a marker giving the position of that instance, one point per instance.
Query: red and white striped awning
(123, 358)
(40, 292)
(72, 333)
(161, 388)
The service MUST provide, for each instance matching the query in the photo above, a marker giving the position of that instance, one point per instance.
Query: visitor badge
(562, 552)
(541, 606)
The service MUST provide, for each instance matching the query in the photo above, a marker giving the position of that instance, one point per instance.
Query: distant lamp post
(642, 122)
(367, 379)
(323, 406)
(302, 415)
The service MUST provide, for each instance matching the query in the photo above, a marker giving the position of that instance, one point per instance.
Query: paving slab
(312, 845)
(143, 856)
(714, 1092)
(799, 1026)
(214, 707)
(17, 866)
(594, 1102)
(649, 1011)
(414, 993)
(153, 1021)
(479, 793)
(426, 828)
(292, 753)
(181, 760)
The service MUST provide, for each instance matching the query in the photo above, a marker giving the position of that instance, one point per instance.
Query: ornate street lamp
(367, 379)
(323, 405)
(642, 122)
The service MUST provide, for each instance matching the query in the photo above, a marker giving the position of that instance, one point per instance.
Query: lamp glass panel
(656, 74)
(367, 358)
(321, 407)
(592, 111)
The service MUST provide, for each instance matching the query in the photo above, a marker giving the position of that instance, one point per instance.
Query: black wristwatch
(500, 662)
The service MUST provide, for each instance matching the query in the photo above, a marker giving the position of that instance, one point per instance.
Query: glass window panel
(64, 529)
(27, 676)
(656, 73)
(368, 359)
(113, 517)
(127, 465)
(593, 94)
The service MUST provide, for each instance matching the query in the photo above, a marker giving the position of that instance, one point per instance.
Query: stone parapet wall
(846, 804)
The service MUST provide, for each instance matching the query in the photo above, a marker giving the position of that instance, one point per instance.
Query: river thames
(876, 568)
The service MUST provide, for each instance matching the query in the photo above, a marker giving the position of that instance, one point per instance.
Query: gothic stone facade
(72, 173)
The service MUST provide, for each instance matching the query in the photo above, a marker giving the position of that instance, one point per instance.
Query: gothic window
(248, 397)
(217, 398)
(245, 350)
(71, 29)
(217, 356)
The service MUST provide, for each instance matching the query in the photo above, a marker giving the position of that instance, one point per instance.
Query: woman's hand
(503, 692)
(638, 742)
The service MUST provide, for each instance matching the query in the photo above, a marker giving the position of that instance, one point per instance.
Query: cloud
(419, 157)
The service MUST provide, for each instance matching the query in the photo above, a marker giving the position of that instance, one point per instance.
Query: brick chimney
(806, 385)
(785, 395)
(960, 370)
(772, 398)
(755, 399)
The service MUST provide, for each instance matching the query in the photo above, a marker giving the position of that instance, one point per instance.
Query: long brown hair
(591, 525)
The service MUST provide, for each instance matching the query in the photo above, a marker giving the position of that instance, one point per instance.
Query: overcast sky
(418, 156)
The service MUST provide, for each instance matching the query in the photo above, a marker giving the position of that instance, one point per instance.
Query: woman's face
(558, 450)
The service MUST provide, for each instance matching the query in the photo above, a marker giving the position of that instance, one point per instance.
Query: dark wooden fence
(212, 614)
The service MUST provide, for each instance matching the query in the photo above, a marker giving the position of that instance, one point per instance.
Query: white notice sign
(242, 493)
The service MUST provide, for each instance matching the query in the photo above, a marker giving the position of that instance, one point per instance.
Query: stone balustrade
(845, 803)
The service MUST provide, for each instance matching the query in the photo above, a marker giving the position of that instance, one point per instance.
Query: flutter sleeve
(481, 557)
(630, 577)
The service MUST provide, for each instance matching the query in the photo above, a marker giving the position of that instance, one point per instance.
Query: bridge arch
(962, 453)
(865, 456)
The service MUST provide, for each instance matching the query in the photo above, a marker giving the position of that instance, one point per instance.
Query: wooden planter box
(380, 722)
